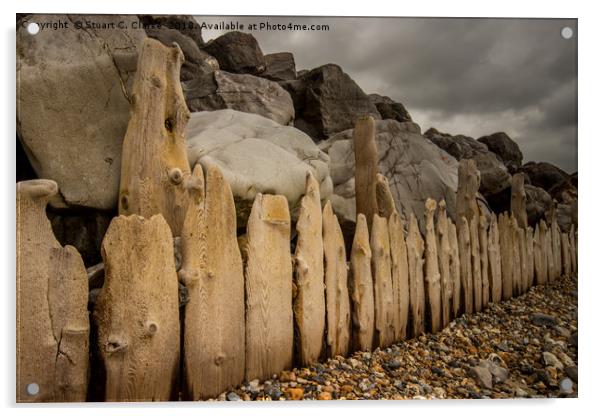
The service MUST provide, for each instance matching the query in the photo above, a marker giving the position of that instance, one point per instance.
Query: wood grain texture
(465, 265)
(366, 168)
(154, 166)
(384, 198)
(383, 284)
(515, 247)
(52, 295)
(573, 248)
(469, 180)
(399, 276)
(484, 257)
(545, 250)
(550, 254)
(566, 255)
(518, 200)
(507, 255)
(556, 244)
(495, 265)
(522, 246)
(309, 304)
(269, 288)
(537, 257)
(432, 275)
(214, 336)
(137, 310)
(338, 313)
(529, 240)
(455, 268)
(415, 245)
(362, 288)
(444, 260)
(475, 256)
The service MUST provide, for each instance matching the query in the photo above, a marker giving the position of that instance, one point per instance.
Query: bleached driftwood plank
(383, 285)
(268, 288)
(362, 293)
(432, 275)
(495, 266)
(137, 310)
(465, 264)
(52, 297)
(415, 245)
(399, 276)
(309, 303)
(338, 314)
(455, 268)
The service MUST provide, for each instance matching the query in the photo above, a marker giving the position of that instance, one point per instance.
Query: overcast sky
(461, 76)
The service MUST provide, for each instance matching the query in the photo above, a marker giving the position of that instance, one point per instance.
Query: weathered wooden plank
(415, 245)
(384, 198)
(154, 165)
(515, 246)
(366, 167)
(465, 265)
(507, 256)
(362, 293)
(495, 265)
(455, 268)
(444, 253)
(538, 257)
(383, 285)
(338, 313)
(573, 251)
(214, 340)
(137, 310)
(484, 257)
(556, 245)
(518, 200)
(522, 246)
(545, 250)
(550, 254)
(475, 255)
(566, 255)
(309, 303)
(399, 276)
(469, 180)
(52, 296)
(530, 257)
(268, 288)
(432, 275)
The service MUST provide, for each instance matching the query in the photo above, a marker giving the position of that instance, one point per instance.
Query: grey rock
(494, 174)
(233, 397)
(242, 92)
(544, 175)
(237, 52)
(482, 376)
(280, 67)
(73, 99)
(506, 149)
(565, 217)
(255, 155)
(96, 276)
(274, 392)
(393, 364)
(566, 386)
(562, 331)
(498, 373)
(542, 319)
(538, 203)
(565, 191)
(390, 109)
(328, 101)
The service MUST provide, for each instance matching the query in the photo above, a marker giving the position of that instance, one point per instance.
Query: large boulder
(544, 174)
(565, 191)
(220, 90)
(187, 25)
(280, 67)
(328, 101)
(494, 174)
(567, 216)
(416, 169)
(390, 109)
(506, 149)
(256, 155)
(72, 100)
(196, 61)
(237, 52)
(538, 202)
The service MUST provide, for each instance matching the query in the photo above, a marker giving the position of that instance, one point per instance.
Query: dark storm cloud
(469, 76)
